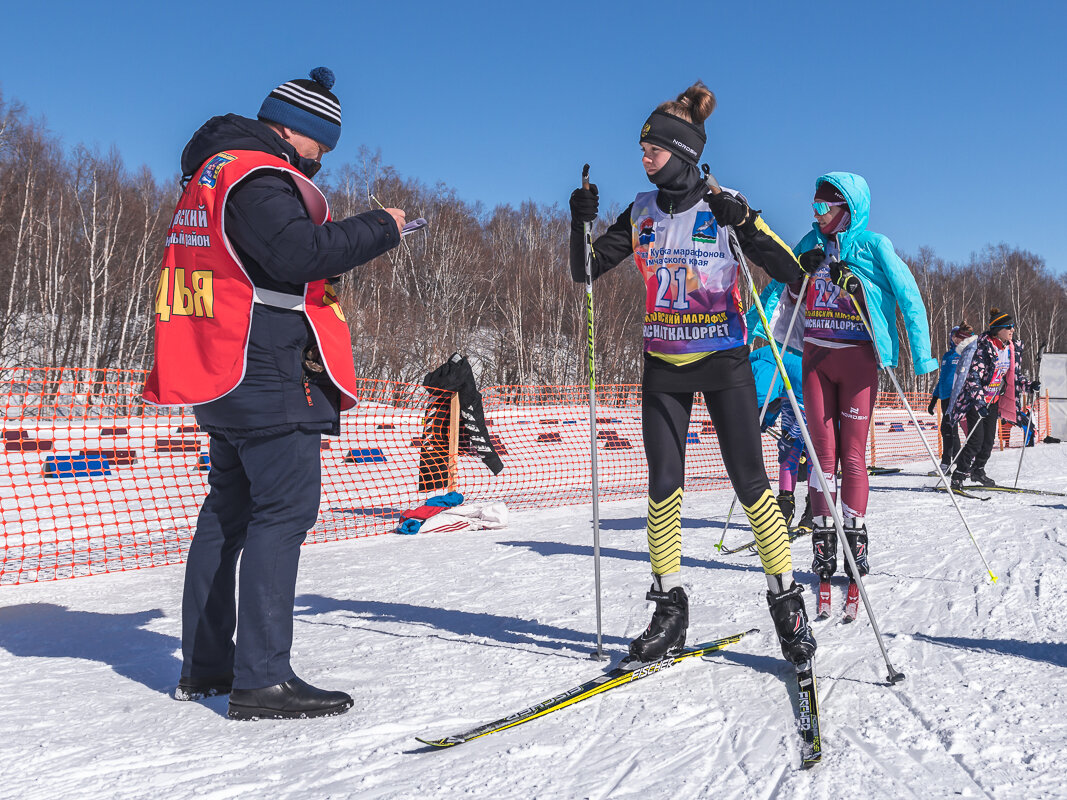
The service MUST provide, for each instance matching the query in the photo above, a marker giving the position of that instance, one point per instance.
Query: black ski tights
(665, 426)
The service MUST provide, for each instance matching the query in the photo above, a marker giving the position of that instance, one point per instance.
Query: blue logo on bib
(706, 229)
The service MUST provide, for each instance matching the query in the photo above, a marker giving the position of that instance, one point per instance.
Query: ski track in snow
(437, 633)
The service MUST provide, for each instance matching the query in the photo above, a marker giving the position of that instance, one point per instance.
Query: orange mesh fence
(893, 439)
(93, 481)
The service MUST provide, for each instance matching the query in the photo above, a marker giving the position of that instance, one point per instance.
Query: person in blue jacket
(855, 276)
(950, 437)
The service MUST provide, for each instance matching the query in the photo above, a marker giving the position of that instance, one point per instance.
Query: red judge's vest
(204, 300)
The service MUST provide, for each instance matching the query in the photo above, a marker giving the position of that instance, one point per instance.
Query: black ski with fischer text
(808, 715)
(612, 679)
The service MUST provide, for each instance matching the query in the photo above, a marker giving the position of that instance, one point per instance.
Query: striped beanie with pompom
(1000, 319)
(307, 106)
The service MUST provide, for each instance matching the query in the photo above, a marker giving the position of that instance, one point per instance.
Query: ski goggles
(824, 208)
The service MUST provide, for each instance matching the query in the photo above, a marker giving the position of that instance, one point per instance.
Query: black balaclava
(679, 180)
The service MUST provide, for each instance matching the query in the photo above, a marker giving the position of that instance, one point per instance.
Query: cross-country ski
(619, 676)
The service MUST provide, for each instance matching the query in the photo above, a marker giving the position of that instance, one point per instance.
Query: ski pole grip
(709, 179)
(585, 177)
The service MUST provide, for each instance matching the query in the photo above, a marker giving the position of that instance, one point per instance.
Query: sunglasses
(824, 208)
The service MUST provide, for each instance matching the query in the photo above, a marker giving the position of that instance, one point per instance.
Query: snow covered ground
(435, 633)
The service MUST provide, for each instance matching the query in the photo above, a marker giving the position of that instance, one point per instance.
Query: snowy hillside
(435, 633)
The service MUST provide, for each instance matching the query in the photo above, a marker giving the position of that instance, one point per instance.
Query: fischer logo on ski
(808, 716)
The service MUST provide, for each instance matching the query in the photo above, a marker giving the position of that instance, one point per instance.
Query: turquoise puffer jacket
(887, 281)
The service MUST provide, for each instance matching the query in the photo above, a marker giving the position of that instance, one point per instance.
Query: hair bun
(700, 101)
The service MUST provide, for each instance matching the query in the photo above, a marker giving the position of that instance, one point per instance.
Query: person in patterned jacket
(984, 390)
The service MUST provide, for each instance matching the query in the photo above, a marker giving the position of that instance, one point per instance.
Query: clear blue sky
(955, 112)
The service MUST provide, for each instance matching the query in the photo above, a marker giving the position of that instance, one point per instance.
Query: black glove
(811, 260)
(841, 275)
(983, 411)
(933, 404)
(1035, 386)
(727, 208)
(585, 203)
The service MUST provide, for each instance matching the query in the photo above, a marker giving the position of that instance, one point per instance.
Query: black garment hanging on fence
(455, 375)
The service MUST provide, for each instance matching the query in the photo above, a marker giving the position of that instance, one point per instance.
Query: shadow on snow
(47, 630)
(563, 549)
(504, 630)
(1049, 652)
(639, 523)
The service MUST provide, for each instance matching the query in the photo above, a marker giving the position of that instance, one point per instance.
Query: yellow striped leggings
(735, 415)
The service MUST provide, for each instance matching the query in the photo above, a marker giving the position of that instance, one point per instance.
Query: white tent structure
(1054, 381)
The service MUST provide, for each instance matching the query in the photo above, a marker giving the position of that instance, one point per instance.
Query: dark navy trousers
(263, 498)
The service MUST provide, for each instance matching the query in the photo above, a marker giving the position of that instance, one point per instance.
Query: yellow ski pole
(587, 229)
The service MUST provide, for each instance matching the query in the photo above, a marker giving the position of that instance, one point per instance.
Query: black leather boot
(293, 699)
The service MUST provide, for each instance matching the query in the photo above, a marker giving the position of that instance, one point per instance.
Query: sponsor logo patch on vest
(213, 167)
(646, 231)
(705, 229)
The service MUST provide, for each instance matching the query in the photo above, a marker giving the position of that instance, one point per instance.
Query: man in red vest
(249, 333)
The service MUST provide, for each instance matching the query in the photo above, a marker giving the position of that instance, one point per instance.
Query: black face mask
(667, 176)
(307, 166)
(680, 185)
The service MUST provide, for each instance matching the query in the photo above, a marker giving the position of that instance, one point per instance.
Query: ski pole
(726, 527)
(894, 676)
(1029, 419)
(767, 401)
(915, 422)
(587, 232)
(1022, 452)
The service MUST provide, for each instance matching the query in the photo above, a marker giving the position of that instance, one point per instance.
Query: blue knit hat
(307, 106)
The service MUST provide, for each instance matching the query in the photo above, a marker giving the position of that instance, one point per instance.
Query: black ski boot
(957, 480)
(979, 476)
(787, 502)
(807, 522)
(824, 546)
(791, 623)
(856, 535)
(665, 634)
